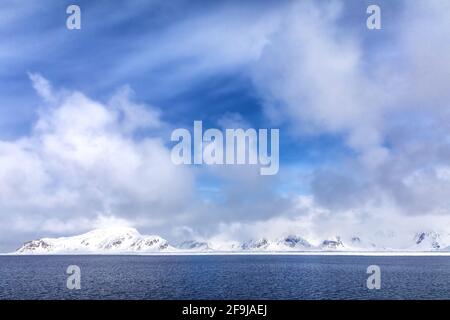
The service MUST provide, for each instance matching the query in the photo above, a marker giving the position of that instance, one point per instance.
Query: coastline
(260, 253)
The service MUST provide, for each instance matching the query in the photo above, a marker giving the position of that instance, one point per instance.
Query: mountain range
(124, 240)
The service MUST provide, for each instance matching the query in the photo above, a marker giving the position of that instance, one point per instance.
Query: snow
(109, 240)
(124, 240)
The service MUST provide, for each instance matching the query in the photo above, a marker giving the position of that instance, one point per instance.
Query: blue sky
(356, 109)
(102, 57)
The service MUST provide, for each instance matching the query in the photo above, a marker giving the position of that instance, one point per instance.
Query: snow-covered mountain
(110, 240)
(128, 240)
(193, 245)
(332, 244)
(289, 243)
(427, 240)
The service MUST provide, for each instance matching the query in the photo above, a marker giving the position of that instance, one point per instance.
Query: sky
(86, 118)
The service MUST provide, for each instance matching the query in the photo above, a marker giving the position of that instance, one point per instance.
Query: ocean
(225, 277)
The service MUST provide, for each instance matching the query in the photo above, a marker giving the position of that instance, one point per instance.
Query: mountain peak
(427, 240)
(102, 240)
(114, 230)
(120, 239)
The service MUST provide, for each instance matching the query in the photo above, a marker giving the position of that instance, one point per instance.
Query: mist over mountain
(126, 240)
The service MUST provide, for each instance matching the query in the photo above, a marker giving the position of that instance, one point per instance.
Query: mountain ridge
(125, 240)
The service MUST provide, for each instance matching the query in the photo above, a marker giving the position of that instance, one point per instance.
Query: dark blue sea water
(224, 277)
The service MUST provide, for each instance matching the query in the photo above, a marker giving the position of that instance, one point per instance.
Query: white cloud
(82, 164)
(42, 87)
(391, 109)
(383, 226)
(312, 72)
